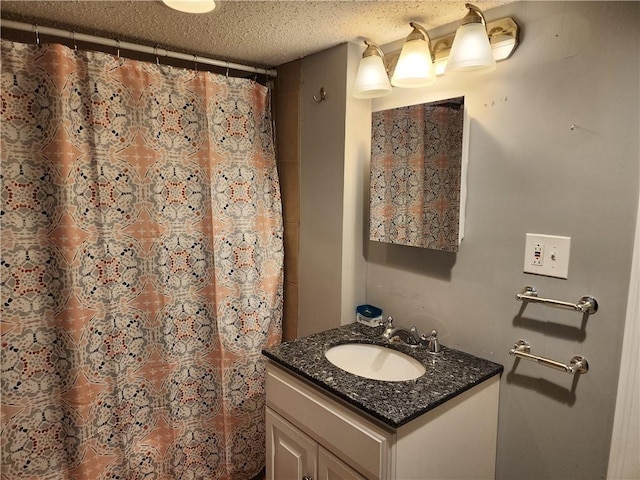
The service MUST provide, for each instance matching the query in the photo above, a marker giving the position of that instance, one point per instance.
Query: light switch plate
(547, 255)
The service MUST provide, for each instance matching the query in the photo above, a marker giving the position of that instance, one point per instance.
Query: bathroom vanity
(325, 423)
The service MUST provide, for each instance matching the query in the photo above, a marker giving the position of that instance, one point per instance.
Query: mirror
(417, 175)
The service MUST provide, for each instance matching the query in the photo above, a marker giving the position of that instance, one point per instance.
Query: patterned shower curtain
(141, 268)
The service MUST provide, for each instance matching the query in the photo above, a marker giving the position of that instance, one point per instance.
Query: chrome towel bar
(577, 364)
(587, 304)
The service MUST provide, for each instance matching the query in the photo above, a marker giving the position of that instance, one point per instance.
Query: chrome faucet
(411, 336)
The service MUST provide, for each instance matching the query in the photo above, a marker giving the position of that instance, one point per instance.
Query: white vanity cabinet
(313, 435)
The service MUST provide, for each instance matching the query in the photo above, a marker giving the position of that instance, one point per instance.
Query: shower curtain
(141, 268)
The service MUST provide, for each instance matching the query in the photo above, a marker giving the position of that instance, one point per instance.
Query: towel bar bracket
(579, 364)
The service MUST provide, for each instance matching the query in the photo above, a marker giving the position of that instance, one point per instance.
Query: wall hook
(323, 96)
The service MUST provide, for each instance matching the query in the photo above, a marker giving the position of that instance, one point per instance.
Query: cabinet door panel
(331, 467)
(351, 437)
(291, 455)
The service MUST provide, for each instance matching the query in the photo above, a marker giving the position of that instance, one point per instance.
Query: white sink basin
(375, 362)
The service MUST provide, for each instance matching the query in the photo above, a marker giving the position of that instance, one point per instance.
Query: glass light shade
(415, 67)
(191, 6)
(471, 50)
(371, 80)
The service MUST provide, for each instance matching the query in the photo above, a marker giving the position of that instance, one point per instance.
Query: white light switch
(547, 255)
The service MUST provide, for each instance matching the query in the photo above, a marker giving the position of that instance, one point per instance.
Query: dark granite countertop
(393, 403)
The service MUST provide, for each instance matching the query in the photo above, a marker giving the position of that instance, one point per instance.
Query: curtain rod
(134, 47)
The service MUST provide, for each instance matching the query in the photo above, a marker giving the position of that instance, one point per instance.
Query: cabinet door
(331, 467)
(365, 446)
(291, 455)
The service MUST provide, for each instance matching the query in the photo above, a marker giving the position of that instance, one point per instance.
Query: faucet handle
(433, 344)
(388, 322)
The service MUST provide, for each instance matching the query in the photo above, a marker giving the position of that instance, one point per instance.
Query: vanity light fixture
(471, 49)
(501, 36)
(372, 79)
(191, 6)
(415, 65)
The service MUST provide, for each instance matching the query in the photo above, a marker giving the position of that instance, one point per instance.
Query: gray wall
(335, 146)
(322, 140)
(529, 171)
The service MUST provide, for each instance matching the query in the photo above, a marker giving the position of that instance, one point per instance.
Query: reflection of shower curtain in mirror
(416, 168)
(141, 268)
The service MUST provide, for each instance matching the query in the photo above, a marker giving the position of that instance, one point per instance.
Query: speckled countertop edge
(393, 403)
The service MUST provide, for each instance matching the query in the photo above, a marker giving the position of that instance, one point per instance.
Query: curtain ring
(37, 36)
(155, 52)
(75, 45)
(195, 62)
(227, 73)
(118, 48)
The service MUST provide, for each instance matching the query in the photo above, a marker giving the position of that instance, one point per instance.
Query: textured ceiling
(261, 33)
